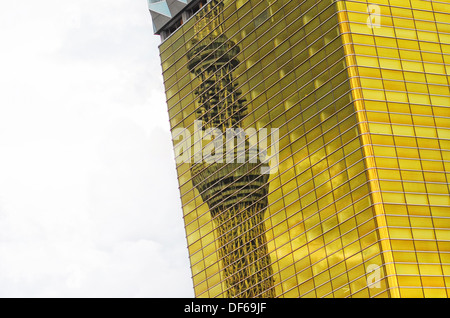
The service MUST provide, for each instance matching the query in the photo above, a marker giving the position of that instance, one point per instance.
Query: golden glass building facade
(359, 91)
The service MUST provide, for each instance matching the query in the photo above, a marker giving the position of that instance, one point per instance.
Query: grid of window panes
(403, 64)
(321, 228)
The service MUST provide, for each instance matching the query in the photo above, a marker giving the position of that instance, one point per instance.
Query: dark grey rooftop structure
(168, 15)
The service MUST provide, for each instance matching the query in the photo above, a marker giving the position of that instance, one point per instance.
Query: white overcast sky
(89, 202)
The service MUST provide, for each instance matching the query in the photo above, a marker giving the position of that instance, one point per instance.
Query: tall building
(354, 102)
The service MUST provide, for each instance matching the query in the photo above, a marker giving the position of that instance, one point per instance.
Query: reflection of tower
(236, 193)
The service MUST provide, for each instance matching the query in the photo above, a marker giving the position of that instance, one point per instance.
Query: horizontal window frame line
(422, 275)
(405, 125)
(413, 159)
(400, 7)
(402, 103)
(409, 170)
(416, 239)
(378, 57)
(413, 181)
(398, 49)
(407, 114)
(393, 27)
(417, 228)
(403, 18)
(391, 69)
(408, 147)
(387, 68)
(415, 216)
(382, 79)
(407, 95)
(408, 158)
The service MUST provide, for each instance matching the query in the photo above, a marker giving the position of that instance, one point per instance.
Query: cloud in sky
(89, 204)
